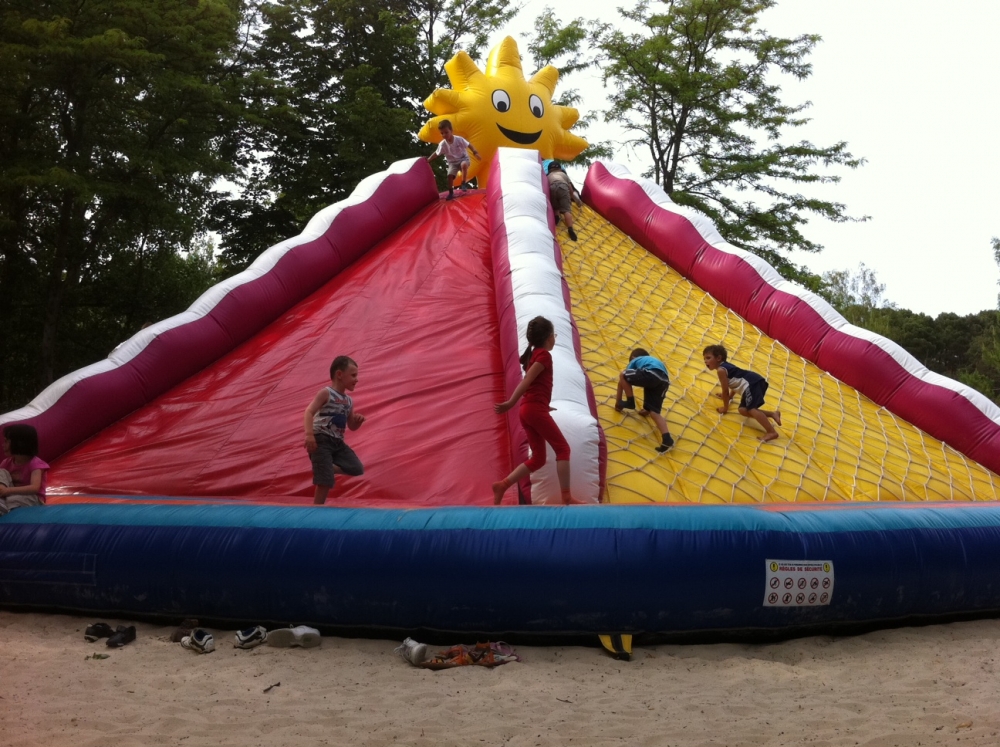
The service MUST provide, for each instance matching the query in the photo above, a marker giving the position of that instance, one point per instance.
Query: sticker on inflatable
(798, 583)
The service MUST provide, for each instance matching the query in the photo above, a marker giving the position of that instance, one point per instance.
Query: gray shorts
(454, 169)
(332, 451)
(560, 195)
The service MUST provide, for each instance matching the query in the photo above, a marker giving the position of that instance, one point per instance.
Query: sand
(909, 686)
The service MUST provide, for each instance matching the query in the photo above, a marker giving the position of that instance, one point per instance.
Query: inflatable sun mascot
(499, 108)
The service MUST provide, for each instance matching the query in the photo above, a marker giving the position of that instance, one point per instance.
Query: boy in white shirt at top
(454, 148)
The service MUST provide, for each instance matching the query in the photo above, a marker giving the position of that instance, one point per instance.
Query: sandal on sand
(122, 636)
(302, 635)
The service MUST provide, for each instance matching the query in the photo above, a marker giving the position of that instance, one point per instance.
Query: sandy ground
(911, 686)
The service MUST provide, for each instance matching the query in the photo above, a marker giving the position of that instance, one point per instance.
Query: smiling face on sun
(499, 108)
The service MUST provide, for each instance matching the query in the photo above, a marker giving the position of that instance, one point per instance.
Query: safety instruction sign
(798, 583)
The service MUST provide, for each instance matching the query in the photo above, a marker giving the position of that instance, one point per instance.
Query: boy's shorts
(654, 388)
(332, 451)
(560, 195)
(753, 396)
(454, 169)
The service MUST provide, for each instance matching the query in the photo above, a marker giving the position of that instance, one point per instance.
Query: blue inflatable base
(530, 570)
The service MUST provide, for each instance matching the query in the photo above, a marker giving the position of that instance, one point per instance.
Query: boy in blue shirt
(649, 373)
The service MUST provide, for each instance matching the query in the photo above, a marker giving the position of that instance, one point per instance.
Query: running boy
(649, 373)
(330, 412)
(750, 385)
(453, 147)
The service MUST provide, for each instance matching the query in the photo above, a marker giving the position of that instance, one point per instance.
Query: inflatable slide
(180, 485)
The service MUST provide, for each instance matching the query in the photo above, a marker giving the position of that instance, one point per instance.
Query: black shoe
(572, 234)
(122, 636)
(627, 404)
(98, 630)
(668, 443)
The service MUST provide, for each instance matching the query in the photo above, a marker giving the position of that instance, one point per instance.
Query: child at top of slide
(453, 147)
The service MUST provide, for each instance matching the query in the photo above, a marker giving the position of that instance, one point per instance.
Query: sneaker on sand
(184, 629)
(200, 640)
(122, 636)
(413, 652)
(251, 637)
(98, 630)
(302, 635)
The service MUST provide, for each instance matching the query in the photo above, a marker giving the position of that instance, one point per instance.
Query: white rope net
(834, 445)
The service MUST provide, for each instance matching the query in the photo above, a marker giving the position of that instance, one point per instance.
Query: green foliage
(695, 88)
(563, 47)
(336, 92)
(447, 26)
(110, 120)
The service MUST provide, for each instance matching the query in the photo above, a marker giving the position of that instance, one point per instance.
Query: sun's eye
(501, 100)
(535, 103)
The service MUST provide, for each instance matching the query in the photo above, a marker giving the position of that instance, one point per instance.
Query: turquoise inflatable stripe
(676, 518)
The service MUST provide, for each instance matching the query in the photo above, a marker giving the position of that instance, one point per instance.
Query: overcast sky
(914, 88)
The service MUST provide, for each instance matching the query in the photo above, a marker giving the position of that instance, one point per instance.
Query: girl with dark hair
(22, 473)
(536, 388)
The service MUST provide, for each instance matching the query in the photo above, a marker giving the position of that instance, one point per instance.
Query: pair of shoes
(184, 629)
(251, 637)
(668, 443)
(200, 640)
(301, 635)
(413, 652)
(572, 234)
(98, 630)
(122, 636)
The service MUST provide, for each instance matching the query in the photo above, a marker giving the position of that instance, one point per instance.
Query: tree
(695, 88)
(858, 296)
(111, 114)
(334, 99)
(562, 46)
(447, 26)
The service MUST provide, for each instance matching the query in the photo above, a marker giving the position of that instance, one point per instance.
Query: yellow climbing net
(834, 445)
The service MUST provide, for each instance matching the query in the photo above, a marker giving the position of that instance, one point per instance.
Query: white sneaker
(413, 652)
(302, 635)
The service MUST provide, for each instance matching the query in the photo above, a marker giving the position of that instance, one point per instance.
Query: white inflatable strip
(710, 233)
(537, 287)
(206, 302)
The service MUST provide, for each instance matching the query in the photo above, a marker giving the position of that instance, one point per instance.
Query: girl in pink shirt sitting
(22, 473)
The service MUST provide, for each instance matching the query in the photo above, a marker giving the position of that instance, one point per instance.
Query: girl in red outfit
(536, 387)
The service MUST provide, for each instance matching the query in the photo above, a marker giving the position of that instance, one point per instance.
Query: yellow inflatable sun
(502, 109)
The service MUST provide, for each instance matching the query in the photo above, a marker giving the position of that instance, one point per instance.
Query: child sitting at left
(22, 473)
(326, 418)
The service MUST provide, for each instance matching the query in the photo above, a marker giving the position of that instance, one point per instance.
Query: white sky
(913, 87)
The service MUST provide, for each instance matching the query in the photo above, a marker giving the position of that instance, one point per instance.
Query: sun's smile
(521, 138)
(521, 110)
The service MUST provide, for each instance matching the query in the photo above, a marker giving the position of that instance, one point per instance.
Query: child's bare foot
(644, 413)
(498, 491)
(777, 417)
(768, 437)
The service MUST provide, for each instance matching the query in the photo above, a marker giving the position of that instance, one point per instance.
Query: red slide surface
(427, 388)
